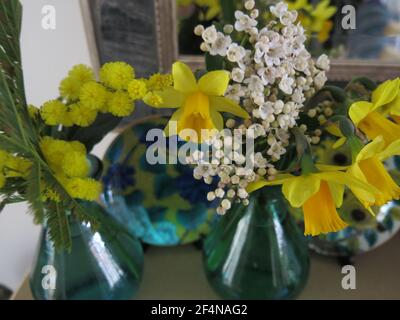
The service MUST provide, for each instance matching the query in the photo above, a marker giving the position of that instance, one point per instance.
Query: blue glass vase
(257, 252)
(102, 265)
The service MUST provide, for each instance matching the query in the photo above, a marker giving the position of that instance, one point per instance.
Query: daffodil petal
(171, 98)
(279, 179)
(297, 191)
(214, 83)
(392, 150)
(172, 125)
(371, 149)
(394, 107)
(337, 191)
(222, 104)
(184, 79)
(359, 110)
(327, 167)
(365, 192)
(217, 120)
(385, 93)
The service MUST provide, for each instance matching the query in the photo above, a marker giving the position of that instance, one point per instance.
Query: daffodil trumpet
(199, 103)
(371, 117)
(369, 168)
(319, 194)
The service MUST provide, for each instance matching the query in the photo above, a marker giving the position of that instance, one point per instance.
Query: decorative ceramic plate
(160, 204)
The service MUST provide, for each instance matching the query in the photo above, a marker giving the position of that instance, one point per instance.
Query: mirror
(362, 37)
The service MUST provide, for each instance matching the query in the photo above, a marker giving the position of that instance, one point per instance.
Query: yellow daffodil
(325, 32)
(299, 5)
(322, 13)
(319, 194)
(199, 103)
(368, 167)
(213, 8)
(315, 19)
(370, 117)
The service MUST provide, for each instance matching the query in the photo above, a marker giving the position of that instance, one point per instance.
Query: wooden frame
(90, 34)
(341, 70)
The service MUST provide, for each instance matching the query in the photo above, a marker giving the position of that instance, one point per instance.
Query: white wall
(47, 57)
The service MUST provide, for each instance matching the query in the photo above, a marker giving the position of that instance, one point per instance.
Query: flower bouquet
(251, 121)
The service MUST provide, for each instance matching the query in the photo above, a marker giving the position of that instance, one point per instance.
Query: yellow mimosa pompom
(2, 180)
(120, 104)
(160, 82)
(81, 73)
(54, 150)
(137, 89)
(17, 167)
(77, 147)
(83, 188)
(50, 194)
(3, 158)
(153, 99)
(93, 95)
(117, 75)
(81, 115)
(33, 111)
(75, 164)
(53, 112)
(70, 88)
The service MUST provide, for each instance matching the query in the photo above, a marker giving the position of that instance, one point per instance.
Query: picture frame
(342, 70)
(159, 18)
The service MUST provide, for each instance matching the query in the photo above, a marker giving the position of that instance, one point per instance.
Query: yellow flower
(213, 8)
(299, 5)
(81, 115)
(160, 82)
(370, 117)
(83, 188)
(53, 112)
(120, 104)
(319, 194)
(198, 102)
(324, 33)
(33, 111)
(81, 73)
(153, 99)
(2, 180)
(137, 89)
(315, 19)
(368, 167)
(16, 167)
(75, 164)
(322, 12)
(70, 86)
(93, 95)
(50, 194)
(117, 75)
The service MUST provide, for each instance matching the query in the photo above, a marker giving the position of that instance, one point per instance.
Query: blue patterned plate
(162, 205)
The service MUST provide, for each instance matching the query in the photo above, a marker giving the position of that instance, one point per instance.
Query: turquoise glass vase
(102, 265)
(258, 251)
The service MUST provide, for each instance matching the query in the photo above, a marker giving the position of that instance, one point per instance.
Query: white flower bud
(211, 196)
(226, 204)
(198, 30)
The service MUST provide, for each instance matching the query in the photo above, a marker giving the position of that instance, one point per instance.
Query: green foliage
(19, 135)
